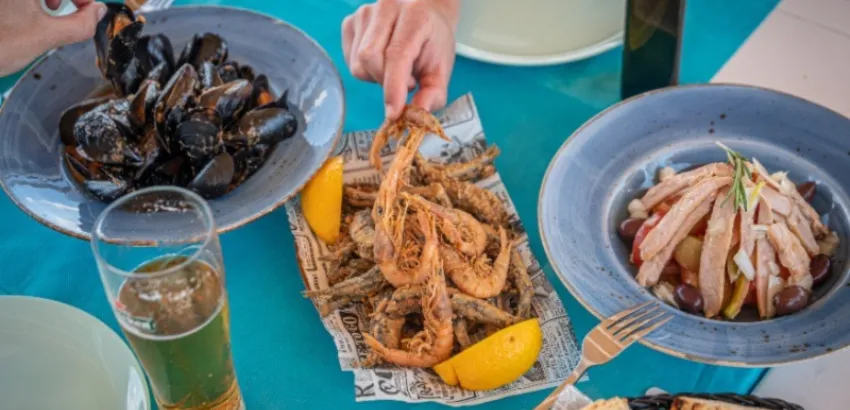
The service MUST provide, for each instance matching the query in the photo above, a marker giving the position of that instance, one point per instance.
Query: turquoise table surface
(284, 357)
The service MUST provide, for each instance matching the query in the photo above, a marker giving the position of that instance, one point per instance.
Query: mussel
(154, 51)
(115, 41)
(198, 135)
(172, 103)
(267, 126)
(230, 100)
(142, 104)
(209, 76)
(207, 47)
(70, 116)
(214, 179)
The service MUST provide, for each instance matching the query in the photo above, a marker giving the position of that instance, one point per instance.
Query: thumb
(75, 27)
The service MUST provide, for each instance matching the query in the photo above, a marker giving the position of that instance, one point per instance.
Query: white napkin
(571, 399)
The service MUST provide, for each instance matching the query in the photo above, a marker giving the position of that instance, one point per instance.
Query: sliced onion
(759, 228)
(761, 170)
(745, 264)
(806, 282)
(664, 291)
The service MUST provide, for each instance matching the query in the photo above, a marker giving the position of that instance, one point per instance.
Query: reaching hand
(401, 44)
(27, 31)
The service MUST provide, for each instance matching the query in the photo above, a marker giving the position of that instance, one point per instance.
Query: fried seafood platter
(724, 237)
(429, 252)
(427, 259)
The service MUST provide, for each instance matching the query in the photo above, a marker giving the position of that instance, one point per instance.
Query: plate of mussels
(188, 96)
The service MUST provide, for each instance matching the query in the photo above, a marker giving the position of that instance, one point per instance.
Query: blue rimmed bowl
(614, 158)
(32, 172)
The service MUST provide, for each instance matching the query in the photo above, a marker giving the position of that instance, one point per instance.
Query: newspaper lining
(560, 352)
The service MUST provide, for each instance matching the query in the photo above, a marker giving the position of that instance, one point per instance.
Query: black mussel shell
(127, 82)
(246, 72)
(213, 180)
(204, 47)
(209, 76)
(70, 116)
(176, 94)
(150, 151)
(80, 168)
(229, 71)
(142, 104)
(160, 74)
(102, 139)
(198, 135)
(155, 50)
(167, 173)
(115, 39)
(235, 100)
(247, 161)
(267, 126)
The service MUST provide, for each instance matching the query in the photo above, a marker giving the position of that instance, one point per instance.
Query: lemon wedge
(495, 361)
(321, 201)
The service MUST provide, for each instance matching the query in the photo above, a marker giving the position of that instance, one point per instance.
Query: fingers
(361, 22)
(405, 44)
(376, 36)
(432, 92)
(73, 28)
(347, 38)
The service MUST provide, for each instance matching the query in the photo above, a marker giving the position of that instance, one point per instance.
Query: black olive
(628, 229)
(688, 298)
(808, 190)
(790, 300)
(820, 268)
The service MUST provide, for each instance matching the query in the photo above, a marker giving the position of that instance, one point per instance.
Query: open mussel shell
(107, 189)
(229, 100)
(206, 47)
(262, 92)
(142, 104)
(172, 103)
(115, 40)
(247, 161)
(209, 76)
(214, 179)
(198, 135)
(155, 50)
(70, 116)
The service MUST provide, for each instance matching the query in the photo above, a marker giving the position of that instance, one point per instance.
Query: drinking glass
(160, 261)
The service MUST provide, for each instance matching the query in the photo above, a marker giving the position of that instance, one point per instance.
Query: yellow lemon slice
(495, 361)
(321, 201)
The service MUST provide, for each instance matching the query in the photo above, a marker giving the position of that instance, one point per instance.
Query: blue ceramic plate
(615, 156)
(36, 180)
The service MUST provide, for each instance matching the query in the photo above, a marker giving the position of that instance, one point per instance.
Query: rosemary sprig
(738, 192)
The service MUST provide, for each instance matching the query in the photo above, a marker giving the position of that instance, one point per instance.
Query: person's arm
(402, 44)
(27, 31)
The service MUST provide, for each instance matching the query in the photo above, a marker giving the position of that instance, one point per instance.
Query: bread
(611, 404)
(688, 403)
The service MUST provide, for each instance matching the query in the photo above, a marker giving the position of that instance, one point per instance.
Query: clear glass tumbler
(160, 261)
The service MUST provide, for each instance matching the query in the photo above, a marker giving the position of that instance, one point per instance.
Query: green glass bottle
(651, 45)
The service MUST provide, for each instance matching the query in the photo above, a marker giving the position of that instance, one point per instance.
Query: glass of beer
(160, 261)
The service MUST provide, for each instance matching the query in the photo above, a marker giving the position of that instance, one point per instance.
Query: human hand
(27, 31)
(401, 44)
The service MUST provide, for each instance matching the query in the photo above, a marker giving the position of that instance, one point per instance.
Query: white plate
(538, 32)
(54, 356)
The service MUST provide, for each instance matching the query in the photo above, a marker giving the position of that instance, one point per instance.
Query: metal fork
(609, 338)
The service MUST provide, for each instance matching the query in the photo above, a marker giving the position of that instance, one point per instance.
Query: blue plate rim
(219, 229)
(598, 315)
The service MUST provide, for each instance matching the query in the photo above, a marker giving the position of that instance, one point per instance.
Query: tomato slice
(641, 235)
(665, 206)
